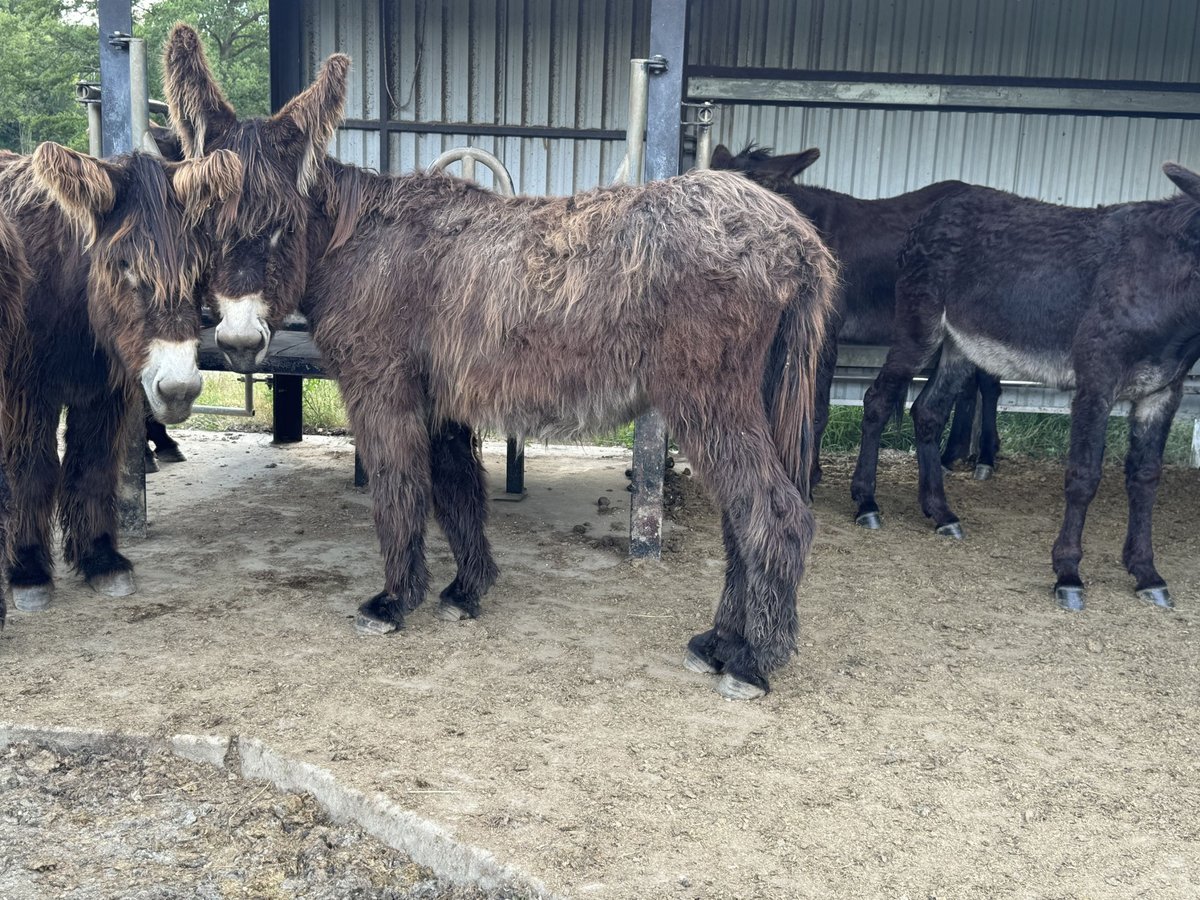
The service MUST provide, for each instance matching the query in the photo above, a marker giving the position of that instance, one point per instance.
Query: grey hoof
(984, 472)
(368, 625)
(951, 529)
(114, 584)
(1069, 596)
(732, 688)
(1159, 596)
(32, 597)
(694, 662)
(451, 613)
(869, 520)
(151, 463)
(170, 455)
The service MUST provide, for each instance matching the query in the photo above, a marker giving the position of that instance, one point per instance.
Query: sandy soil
(945, 730)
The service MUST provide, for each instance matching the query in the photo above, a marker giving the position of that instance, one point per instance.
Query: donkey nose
(241, 349)
(176, 390)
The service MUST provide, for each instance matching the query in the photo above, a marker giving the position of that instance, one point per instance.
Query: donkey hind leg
(962, 427)
(1149, 423)
(825, 372)
(1089, 424)
(33, 480)
(393, 441)
(166, 448)
(459, 487)
(771, 527)
(96, 438)
(708, 651)
(929, 413)
(989, 435)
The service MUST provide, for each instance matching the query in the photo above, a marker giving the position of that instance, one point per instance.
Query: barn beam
(664, 98)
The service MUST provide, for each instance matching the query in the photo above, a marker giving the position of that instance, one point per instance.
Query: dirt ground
(945, 730)
(85, 825)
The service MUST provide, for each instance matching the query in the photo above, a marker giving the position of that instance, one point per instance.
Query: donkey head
(260, 261)
(758, 163)
(138, 217)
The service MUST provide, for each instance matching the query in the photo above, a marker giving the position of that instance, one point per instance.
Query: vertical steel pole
(139, 98)
(668, 52)
(95, 129)
(635, 128)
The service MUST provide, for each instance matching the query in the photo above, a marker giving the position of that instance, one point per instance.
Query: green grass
(1036, 435)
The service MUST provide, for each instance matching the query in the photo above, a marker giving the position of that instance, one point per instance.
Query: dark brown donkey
(1105, 301)
(14, 350)
(112, 313)
(442, 305)
(866, 237)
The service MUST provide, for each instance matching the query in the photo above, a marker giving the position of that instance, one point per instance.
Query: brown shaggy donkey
(109, 317)
(441, 306)
(14, 349)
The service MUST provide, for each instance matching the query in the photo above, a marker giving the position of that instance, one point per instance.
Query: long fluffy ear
(316, 112)
(211, 182)
(199, 110)
(789, 165)
(721, 158)
(80, 184)
(1185, 179)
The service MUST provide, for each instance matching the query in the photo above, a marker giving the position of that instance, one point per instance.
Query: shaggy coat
(14, 349)
(1105, 301)
(100, 305)
(440, 305)
(866, 236)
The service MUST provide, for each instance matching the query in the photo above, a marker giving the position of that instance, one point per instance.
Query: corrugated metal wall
(564, 64)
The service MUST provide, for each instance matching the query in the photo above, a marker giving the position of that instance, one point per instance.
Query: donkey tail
(789, 382)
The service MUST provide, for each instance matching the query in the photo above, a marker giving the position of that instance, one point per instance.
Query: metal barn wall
(556, 71)
(1078, 160)
(559, 69)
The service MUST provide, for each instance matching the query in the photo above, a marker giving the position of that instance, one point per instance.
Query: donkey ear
(80, 184)
(1185, 179)
(211, 182)
(721, 158)
(790, 165)
(199, 111)
(316, 112)
(167, 141)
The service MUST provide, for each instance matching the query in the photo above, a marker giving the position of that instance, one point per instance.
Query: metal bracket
(657, 64)
(704, 114)
(120, 40)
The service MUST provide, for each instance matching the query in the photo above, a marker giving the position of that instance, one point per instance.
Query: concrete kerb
(426, 842)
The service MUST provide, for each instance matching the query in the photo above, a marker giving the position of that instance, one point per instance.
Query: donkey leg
(393, 441)
(881, 400)
(1089, 424)
(1149, 424)
(96, 434)
(166, 448)
(33, 479)
(708, 651)
(824, 387)
(459, 487)
(958, 444)
(929, 414)
(989, 434)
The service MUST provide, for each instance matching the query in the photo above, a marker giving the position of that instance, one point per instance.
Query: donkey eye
(123, 265)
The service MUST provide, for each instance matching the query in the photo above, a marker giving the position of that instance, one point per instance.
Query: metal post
(1196, 443)
(116, 21)
(139, 105)
(664, 98)
(704, 123)
(635, 128)
(95, 130)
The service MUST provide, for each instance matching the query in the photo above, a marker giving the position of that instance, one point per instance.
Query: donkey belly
(1051, 366)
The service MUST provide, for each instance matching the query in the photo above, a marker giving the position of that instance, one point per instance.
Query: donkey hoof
(32, 597)
(983, 472)
(869, 520)
(951, 529)
(365, 624)
(113, 584)
(151, 463)
(451, 612)
(733, 688)
(1159, 596)
(694, 662)
(170, 455)
(1069, 596)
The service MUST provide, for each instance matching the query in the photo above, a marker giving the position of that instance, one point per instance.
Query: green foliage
(48, 45)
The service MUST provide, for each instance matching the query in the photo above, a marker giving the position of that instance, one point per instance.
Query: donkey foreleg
(460, 502)
(1149, 424)
(389, 424)
(1089, 425)
(929, 413)
(33, 472)
(708, 651)
(97, 434)
(824, 387)
(989, 432)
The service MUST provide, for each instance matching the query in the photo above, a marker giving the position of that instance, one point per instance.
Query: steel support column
(668, 43)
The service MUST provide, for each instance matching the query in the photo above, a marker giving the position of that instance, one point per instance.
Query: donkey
(111, 317)
(1105, 301)
(866, 237)
(440, 305)
(14, 349)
